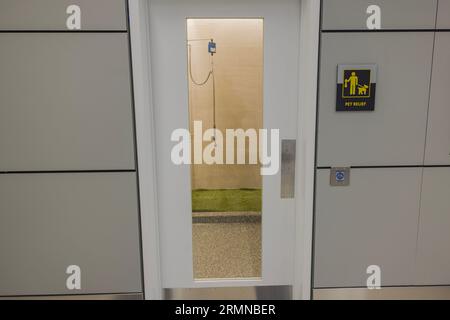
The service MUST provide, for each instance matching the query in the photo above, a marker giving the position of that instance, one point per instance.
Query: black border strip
(67, 171)
(316, 137)
(63, 31)
(136, 160)
(79, 295)
(383, 30)
(389, 286)
(391, 166)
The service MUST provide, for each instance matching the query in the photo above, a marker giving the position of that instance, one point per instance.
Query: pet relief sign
(356, 86)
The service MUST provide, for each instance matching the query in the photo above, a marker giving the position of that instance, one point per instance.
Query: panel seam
(415, 274)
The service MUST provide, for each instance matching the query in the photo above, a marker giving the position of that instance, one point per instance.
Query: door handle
(288, 152)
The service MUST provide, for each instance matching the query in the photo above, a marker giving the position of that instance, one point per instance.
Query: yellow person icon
(353, 80)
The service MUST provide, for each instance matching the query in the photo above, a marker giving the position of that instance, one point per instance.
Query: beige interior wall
(238, 66)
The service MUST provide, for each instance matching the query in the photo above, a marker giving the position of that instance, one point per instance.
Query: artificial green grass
(226, 200)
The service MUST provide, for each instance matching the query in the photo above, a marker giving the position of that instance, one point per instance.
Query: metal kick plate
(288, 150)
(385, 293)
(230, 293)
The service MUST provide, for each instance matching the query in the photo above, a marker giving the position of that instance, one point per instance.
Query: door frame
(138, 11)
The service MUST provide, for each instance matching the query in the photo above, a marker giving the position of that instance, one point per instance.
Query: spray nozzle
(212, 47)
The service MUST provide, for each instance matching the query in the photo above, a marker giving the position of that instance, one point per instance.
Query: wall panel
(51, 221)
(393, 134)
(371, 222)
(51, 14)
(398, 14)
(66, 102)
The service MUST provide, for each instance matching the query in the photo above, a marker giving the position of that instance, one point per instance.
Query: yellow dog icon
(362, 90)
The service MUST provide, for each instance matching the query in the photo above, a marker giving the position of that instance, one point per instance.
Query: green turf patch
(226, 200)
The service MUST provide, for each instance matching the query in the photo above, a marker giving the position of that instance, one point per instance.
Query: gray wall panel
(393, 134)
(438, 132)
(51, 221)
(443, 15)
(398, 14)
(66, 102)
(51, 14)
(433, 258)
(371, 222)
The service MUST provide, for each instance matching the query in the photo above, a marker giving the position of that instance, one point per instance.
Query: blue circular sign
(340, 176)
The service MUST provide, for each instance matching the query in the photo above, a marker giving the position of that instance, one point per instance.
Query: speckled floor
(227, 245)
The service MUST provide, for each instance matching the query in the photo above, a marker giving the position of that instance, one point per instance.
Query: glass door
(225, 91)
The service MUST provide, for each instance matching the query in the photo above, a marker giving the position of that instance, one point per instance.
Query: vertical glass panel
(225, 78)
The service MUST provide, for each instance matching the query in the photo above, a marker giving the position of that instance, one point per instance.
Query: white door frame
(305, 160)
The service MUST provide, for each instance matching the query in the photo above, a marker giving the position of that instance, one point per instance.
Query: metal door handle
(288, 152)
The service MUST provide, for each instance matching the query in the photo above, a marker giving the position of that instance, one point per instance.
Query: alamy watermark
(73, 281)
(374, 279)
(221, 148)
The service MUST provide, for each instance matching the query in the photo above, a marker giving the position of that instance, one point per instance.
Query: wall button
(339, 177)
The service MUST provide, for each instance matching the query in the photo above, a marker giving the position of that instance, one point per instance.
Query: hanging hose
(214, 95)
(202, 83)
(190, 71)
